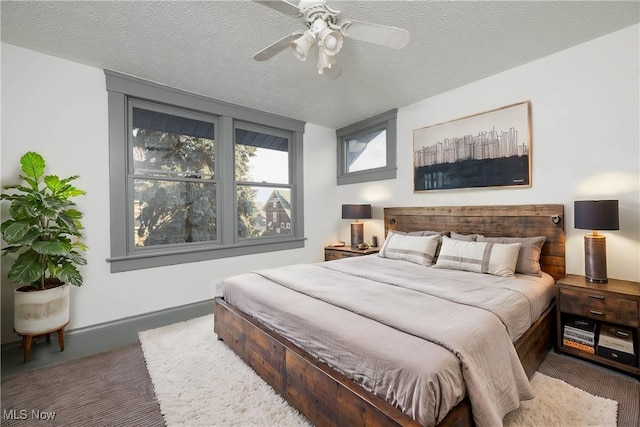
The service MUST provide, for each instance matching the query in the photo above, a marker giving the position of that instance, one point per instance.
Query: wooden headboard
(490, 221)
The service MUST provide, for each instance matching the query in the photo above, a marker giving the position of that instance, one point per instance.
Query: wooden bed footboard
(328, 398)
(324, 396)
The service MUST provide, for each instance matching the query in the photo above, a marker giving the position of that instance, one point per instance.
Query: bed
(302, 361)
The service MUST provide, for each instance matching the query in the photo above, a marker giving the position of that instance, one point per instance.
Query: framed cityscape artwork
(490, 149)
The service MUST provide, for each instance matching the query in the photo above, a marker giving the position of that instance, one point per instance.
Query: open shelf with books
(600, 322)
(598, 340)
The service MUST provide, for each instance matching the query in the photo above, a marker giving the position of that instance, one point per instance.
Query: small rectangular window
(367, 150)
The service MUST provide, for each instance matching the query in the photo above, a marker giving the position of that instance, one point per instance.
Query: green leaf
(19, 187)
(60, 187)
(73, 192)
(28, 239)
(73, 213)
(26, 268)
(79, 245)
(70, 221)
(76, 258)
(6, 224)
(69, 274)
(33, 165)
(15, 231)
(32, 182)
(51, 247)
(11, 249)
(53, 183)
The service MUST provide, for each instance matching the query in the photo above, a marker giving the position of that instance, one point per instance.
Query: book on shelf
(617, 339)
(579, 346)
(580, 330)
(581, 326)
(588, 340)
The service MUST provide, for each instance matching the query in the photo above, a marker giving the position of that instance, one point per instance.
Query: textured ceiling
(207, 47)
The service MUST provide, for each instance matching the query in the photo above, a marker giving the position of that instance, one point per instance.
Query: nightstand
(338, 252)
(609, 305)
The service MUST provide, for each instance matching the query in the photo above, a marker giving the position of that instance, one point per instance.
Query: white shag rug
(199, 381)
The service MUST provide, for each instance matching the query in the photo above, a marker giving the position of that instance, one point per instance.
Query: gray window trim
(120, 88)
(387, 121)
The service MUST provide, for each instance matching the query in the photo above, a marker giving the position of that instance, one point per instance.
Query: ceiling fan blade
(275, 48)
(282, 6)
(393, 37)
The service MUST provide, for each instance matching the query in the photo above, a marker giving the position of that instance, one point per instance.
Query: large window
(367, 150)
(195, 179)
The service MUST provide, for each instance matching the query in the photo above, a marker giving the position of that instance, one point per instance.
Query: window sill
(153, 259)
(367, 176)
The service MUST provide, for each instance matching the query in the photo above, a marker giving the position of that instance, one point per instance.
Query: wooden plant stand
(27, 340)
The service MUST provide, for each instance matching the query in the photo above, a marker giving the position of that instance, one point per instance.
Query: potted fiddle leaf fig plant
(45, 232)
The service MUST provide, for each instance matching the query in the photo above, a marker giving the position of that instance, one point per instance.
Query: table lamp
(356, 212)
(596, 215)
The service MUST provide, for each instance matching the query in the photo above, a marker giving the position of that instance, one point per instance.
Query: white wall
(585, 145)
(59, 109)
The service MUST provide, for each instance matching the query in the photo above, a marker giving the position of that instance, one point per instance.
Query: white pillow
(416, 249)
(480, 257)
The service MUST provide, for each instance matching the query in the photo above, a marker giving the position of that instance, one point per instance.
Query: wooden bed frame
(328, 398)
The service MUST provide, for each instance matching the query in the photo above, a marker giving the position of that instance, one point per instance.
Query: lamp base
(357, 234)
(595, 258)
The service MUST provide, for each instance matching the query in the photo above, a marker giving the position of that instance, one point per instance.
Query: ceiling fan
(328, 29)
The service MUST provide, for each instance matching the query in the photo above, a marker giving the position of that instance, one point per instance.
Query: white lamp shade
(302, 45)
(331, 41)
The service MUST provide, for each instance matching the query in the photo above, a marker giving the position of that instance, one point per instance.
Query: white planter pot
(40, 312)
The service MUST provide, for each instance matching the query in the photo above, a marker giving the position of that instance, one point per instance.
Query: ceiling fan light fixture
(326, 27)
(302, 45)
(331, 41)
(324, 61)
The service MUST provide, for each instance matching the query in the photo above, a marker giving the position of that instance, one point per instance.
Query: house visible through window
(262, 177)
(194, 179)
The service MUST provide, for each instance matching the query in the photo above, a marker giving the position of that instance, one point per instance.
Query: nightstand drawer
(330, 255)
(598, 306)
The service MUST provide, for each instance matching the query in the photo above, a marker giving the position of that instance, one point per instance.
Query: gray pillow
(427, 233)
(529, 255)
(463, 237)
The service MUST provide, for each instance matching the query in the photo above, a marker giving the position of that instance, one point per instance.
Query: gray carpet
(114, 389)
(104, 390)
(598, 382)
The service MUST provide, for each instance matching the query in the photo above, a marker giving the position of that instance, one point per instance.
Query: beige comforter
(416, 336)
